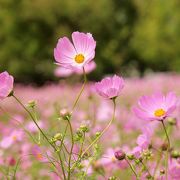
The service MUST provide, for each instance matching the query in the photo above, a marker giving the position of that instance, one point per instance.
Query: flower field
(130, 148)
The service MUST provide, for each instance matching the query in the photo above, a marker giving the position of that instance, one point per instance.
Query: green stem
(105, 129)
(146, 168)
(34, 120)
(82, 89)
(71, 151)
(157, 164)
(132, 168)
(167, 153)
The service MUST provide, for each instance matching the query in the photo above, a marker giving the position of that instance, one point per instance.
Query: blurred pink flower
(75, 55)
(61, 71)
(136, 152)
(31, 127)
(174, 170)
(110, 87)
(6, 84)
(143, 141)
(12, 138)
(38, 154)
(156, 106)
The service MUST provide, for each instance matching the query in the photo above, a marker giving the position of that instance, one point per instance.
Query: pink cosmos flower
(76, 54)
(156, 106)
(110, 87)
(143, 141)
(174, 170)
(137, 152)
(14, 137)
(38, 154)
(6, 84)
(63, 72)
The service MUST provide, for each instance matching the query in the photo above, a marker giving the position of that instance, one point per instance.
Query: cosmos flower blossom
(156, 106)
(14, 137)
(76, 54)
(110, 87)
(6, 84)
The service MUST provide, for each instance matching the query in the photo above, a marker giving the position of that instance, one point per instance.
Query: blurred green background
(133, 36)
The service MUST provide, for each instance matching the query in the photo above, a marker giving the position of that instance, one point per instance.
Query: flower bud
(31, 104)
(84, 128)
(58, 136)
(175, 154)
(64, 114)
(172, 121)
(164, 147)
(119, 155)
(130, 156)
(98, 134)
(112, 178)
(162, 171)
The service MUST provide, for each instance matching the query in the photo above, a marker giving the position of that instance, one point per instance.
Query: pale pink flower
(14, 137)
(61, 71)
(156, 106)
(174, 170)
(6, 84)
(76, 54)
(110, 87)
(31, 127)
(136, 152)
(143, 141)
(38, 154)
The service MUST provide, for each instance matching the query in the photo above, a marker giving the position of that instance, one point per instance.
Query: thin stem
(132, 168)
(146, 168)
(167, 153)
(105, 129)
(82, 89)
(164, 127)
(34, 120)
(71, 151)
(157, 164)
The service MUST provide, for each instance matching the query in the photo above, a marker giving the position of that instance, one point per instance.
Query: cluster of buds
(81, 132)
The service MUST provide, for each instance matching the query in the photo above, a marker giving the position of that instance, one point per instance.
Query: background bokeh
(133, 36)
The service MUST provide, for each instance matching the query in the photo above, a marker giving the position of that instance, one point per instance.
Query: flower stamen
(159, 112)
(79, 58)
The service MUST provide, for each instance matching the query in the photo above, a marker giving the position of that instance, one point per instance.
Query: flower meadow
(116, 128)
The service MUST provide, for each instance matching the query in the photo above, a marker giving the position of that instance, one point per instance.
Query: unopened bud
(58, 136)
(112, 178)
(164, 147)
(84, 128)
(64, 114)
(172, 121)
(162, 171)
(175, 154)
(31, 104)
(130, 156)
(98, 134)
(120, 155)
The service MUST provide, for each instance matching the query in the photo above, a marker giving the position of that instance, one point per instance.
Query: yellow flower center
(79, 58)
(14, 138)
(39, 156)
(159, 112)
